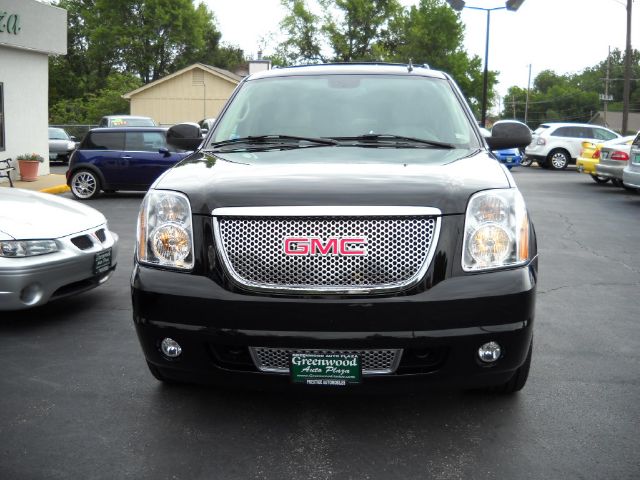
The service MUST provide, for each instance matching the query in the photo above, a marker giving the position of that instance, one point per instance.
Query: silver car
(50, 247)
(631, 173)
(61, 144)
(614, 156)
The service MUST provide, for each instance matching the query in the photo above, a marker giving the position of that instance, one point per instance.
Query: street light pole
(627, 73)
(511, 5)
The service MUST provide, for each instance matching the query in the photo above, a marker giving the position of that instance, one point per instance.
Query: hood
(345, 176)
(27, 215)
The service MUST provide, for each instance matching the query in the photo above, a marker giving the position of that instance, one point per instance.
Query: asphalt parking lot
(77, 400)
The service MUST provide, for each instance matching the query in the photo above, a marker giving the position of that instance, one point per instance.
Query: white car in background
(631, 173)
(50, 247)
(556, 145)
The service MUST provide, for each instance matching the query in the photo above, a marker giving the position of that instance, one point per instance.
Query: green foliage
(573, 97)
(381, 30)
(113, 44)
(91, 107)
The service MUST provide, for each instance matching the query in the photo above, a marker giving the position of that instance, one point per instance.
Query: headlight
(26, 248)
(165, 232)
(496, 232)
(71, 145)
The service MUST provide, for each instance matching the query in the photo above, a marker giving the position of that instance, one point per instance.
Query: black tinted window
(104, 141)
(564, 132)
(145, 141)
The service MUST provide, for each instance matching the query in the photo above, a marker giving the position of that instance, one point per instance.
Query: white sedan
(50, 247)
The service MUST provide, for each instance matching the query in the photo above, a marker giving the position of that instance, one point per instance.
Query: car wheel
(558, 159)
(519, 378)
(526, 161)
(599, 179)
(85, 184)
(616, 182)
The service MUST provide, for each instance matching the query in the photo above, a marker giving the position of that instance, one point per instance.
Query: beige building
(188, 95)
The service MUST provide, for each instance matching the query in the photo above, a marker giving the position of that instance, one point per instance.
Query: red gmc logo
(331, 246)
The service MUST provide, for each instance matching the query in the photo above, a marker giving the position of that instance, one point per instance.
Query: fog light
(170, 348)
(31, 294)
(489, 352)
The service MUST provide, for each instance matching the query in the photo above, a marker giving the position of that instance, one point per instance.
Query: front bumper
(32, 281)
(438, 329)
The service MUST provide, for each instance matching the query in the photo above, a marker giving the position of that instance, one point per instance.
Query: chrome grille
(374, 362)
(398, 252)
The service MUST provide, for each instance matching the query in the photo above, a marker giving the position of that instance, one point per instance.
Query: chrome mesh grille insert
(397, 252)
(374, 362)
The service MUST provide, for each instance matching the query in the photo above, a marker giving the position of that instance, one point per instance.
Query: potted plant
(28, 165)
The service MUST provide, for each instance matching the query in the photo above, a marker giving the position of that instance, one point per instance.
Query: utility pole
(526, 103)
(606, 87)
(627, 73)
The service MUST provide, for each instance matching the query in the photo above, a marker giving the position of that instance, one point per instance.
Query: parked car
(343, 226)
(126, 121)
(509, 157)
(61, 144)
(50, 247)
(588, 159)
(206, 124)
(114, 159)
(631, 173)
(556, 145)
(614, 156)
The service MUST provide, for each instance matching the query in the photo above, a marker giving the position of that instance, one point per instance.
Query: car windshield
(374, 108)
(58, 134)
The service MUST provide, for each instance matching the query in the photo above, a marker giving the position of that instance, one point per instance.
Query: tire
(558, 159)
(519, 378)
(85, 184)
(526, 161)
(616, 182)
(599, 179)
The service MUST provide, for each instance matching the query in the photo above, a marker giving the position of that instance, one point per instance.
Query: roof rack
(405, 65)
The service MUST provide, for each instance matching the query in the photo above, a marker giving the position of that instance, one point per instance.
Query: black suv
(341, 226)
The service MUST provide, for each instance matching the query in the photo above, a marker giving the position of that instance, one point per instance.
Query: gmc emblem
(332, 246)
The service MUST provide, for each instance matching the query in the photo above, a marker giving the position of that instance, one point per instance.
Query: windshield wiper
(385, 139)
(270, 141)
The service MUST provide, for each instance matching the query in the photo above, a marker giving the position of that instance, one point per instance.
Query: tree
(300, 27)
(112, 41)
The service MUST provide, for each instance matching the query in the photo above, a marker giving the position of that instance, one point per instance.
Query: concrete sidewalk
(52, 183)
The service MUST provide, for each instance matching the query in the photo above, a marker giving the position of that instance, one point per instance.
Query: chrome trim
(327, 211)
(332, 211)
(384, 371)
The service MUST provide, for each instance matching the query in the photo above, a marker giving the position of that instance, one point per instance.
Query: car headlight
(496, 231)
(165, 232)
(26, 248)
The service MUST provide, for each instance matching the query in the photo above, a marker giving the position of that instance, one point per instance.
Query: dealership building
(30, 31)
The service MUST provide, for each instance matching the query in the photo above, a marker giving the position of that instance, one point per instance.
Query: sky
(565, 36)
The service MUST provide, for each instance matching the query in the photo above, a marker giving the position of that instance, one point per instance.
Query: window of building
(2, 143)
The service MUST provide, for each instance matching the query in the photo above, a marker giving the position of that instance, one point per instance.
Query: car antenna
(410, 66)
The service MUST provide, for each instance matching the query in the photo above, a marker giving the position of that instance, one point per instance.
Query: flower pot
(28, 170)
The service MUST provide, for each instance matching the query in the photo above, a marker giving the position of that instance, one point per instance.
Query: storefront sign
(9, 23)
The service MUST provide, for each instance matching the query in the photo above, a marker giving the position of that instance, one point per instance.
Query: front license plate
(332, 369)
(102, 262)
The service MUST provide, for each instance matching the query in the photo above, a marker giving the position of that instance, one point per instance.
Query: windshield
(58, 134)
(132, 122)
(339, 106)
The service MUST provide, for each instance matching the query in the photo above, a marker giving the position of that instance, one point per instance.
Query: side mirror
(186, 136)
(72, 138)
(509, 134)
(164, 151)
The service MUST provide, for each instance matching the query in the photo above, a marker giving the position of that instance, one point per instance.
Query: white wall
(25, 76)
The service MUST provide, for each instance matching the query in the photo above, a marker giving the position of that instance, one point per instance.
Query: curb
(56, 189)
